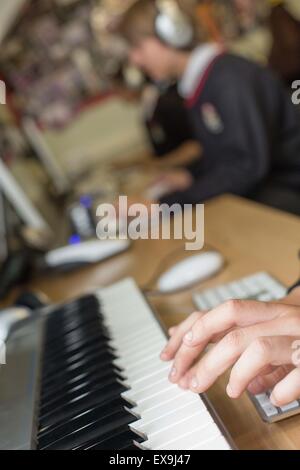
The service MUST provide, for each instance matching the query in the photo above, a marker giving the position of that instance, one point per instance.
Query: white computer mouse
(190, 271)
(9, 318)
(85, 253)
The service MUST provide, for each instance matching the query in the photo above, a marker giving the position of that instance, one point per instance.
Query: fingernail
(183, 384)
(189, 337)
(173, 373)
(229, 391)
(273, 400)
(165, 350)
(194, 383)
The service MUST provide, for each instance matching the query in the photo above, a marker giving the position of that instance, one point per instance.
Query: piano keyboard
(102, 384)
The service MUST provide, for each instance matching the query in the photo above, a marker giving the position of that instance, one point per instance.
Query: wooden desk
(252, 238)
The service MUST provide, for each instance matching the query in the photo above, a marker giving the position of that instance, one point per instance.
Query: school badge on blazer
(212, 118)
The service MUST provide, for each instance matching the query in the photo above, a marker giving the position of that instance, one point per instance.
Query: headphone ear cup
(176, 32)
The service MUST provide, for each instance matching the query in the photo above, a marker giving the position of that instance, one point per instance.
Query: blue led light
(86, 201)
(74, 240)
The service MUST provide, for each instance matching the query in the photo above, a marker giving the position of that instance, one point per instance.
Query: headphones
(172, 25)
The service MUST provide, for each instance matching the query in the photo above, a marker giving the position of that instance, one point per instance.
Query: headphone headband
(172, 25)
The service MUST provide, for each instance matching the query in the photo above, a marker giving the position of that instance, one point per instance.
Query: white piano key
(147, 371)
(163, 422)
(188, 441)
(115, 318)
(138, 345)
(150, 395)
(137, 314)
(140, 363)
(128, 328)
(138, 341)
(157, 400)
(134, 333)
(146, 338)
(143, 383)
(175, 435)
(142, 395)
(131, 359)
(168, 407)
(154, 343)
(216, 443)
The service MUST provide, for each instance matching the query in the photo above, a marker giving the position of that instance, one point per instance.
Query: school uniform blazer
(249, 130)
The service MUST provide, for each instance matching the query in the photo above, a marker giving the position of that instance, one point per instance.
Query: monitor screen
(19, 200)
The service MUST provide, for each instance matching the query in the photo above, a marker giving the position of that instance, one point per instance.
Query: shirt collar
(200, 58)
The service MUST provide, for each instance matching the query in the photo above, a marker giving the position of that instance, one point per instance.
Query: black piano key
(107, 426)
(120, 438)
(64, 428)
(81, 320)
(92, 369)
(122, 442)
(72, 348)
(67, 328)
(77, 321)
(64, 373)
(89, 386)
(81, 404)
(73, 336)
(132, 447)
(71, 358)
(58, 389)
(68, 321)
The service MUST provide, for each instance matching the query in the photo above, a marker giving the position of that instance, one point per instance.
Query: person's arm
(258, 341)
(242, 150)
(185, 155)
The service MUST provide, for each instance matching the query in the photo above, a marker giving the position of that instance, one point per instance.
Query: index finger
(176, 339)
(231, 314)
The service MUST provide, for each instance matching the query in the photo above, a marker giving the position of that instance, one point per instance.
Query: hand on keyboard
(259, 341)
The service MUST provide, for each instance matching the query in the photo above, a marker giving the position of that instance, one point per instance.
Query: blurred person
(166, 118)
(246, 123)
(163, 114)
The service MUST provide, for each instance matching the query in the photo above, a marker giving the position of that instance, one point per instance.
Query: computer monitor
(4, 246)
(45, 155)
(21, 203)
